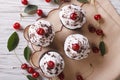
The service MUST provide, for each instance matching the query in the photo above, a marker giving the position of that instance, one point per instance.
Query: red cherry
(97, 17)
(24, 2)
(73, 16)
(39, 12)
(51, 64)
(99, 32)
(16, 25)
(61, 76)
(48, 1)
(75, 47)
(40, 31)
(30, 70)
(95, 49)
(91, 28)
(24, 66)
(35, 75)
(79, 77)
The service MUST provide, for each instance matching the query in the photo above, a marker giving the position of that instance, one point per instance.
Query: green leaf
(27, 53)
(61, 1)
(30, 77)
(102, 48)
(13, 41)
(57, 1)
(31, 9)
(83, 1)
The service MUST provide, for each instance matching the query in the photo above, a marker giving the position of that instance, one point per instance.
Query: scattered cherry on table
(30, 70)
(79, 77)
(95, 49)
(24, 66)
(48, 1)
(35, 75)
(99, 32)
(97, 17)
(39, 12)
(91, 28)
(16, 25)
(24, 2)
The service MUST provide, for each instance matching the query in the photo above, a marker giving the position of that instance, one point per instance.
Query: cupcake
(72, 16)
(76, 46)
(51, 64)
(41, 33)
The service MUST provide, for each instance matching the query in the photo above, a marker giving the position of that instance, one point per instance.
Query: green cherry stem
(96, 10)
(17, 57)
(89, 71)
(91, 66)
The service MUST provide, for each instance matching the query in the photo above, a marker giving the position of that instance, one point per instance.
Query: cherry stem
(17, 57)
(45, 16)
(94, 3)
(23, 15)
(82, 4)
(90, 72)
(90, 66)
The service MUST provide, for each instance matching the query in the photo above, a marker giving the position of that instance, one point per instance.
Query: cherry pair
(92, 29)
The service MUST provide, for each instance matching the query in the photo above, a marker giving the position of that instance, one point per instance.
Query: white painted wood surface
(116, 4)
(9, 13)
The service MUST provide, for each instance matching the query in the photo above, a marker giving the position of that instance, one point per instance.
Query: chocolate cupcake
(41, 33)
(72, 16)
(76, 46)
(51, 64)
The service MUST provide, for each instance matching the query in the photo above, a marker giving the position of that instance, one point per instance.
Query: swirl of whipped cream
(76, 46)
(78, 16)
(47, 36)
(51, 64)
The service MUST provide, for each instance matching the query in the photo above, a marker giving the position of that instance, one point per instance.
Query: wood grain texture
(10, 12)
(116, 4)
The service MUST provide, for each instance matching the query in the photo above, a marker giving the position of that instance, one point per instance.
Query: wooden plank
(9, 13)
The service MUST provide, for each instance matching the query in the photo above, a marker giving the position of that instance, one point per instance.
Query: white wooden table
(9, 13)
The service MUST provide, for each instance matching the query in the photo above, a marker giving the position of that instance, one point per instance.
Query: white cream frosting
(65, 13)
(41, 40)
(82, 41)
(58, 61)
